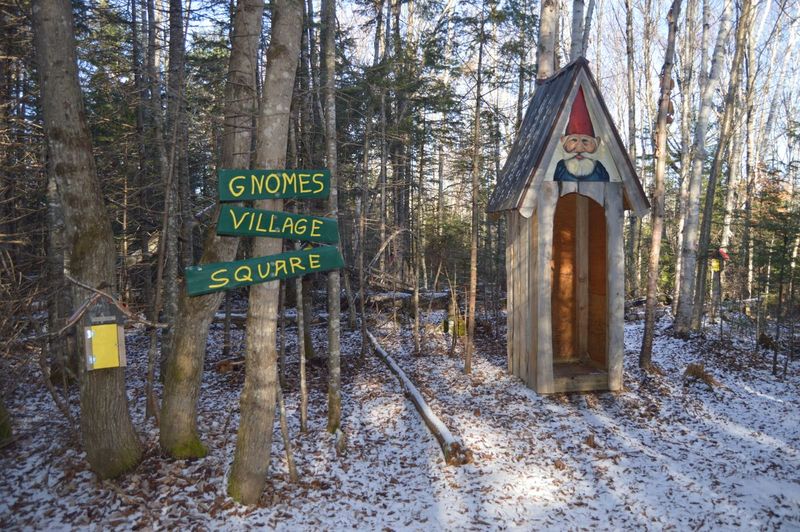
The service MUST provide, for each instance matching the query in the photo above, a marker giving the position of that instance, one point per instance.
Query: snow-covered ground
(661, 454)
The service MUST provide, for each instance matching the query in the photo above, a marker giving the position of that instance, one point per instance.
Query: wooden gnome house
(564, 189)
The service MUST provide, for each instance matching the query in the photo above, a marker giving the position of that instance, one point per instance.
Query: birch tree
(546, 47)
(726, 125)
(690, 229)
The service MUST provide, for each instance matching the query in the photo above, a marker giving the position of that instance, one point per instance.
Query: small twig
(116, 302)
(287, 443)
(60, 402)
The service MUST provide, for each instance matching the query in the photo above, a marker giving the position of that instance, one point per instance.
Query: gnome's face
(580, 153)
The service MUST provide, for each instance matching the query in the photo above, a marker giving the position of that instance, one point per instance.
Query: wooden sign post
(238, 185)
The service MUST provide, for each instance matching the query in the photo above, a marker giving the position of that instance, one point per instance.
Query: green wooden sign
(242, 221)
(237, 185)
(206, 278)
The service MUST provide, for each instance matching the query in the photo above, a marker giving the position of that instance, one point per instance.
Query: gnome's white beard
(580, 167)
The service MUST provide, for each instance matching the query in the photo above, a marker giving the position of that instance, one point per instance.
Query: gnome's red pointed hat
(579, 121)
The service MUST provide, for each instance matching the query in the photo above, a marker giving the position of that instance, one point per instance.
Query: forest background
(414, 106)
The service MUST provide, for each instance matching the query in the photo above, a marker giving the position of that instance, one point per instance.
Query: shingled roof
(548, 102)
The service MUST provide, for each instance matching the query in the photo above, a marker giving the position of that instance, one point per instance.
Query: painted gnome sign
(580, 146)
(564, 190)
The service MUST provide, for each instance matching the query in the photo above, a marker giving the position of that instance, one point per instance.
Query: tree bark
(726, 124)
(633, 220)
(475, 171)
(328, 33)
(576, 44)
(690, 229)
(111, 444)
(687, 81)
(254, 438)
(173, 200)
(178, 436)
(645, 355)
(6, 432)
(546, 47)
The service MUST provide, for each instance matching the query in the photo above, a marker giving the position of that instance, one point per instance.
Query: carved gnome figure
(580, 147)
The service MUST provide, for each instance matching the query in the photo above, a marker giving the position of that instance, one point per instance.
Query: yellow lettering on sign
(256, 184)
(248, 274)
(300, 226)
(315, 225)
(280, 264)
(317, 180)
(289, 180)
(303, 179)
(263, 274)
(273, 183)
(288, 225)
(236, 223)
(313, 261)
(296, 263)
(221, 281)
(236, 190)
(259, 228)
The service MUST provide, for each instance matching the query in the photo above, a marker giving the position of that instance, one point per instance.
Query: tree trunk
(687, 116)
(6, 433)
(111, 444)
(178, 436)
(334, 292)
(645, 355)
(742, 29)
(475, 171)
(633, 220)
(254, 438)
(576, 44)
(690, 229)
(546, 47)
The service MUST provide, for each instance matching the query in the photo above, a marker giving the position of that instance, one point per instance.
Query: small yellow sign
(105, 346)
(715, 266)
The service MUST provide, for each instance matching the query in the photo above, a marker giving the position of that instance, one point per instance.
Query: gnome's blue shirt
(598, 174)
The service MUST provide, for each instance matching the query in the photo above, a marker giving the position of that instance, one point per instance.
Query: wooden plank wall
(563, 298)
(532, 330)
(598, 309)
(615, 261)
(509, 292)
(547, 199)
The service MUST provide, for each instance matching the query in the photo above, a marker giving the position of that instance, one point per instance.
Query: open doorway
(578, 298)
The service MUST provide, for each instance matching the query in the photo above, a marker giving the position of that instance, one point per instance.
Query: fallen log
(454, 451)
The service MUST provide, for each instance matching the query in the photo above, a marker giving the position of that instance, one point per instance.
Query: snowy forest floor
(663, 453)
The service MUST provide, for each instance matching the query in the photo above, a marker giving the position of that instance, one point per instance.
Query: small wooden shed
(563, 190)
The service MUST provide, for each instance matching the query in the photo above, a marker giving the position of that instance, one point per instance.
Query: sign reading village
(237, 185)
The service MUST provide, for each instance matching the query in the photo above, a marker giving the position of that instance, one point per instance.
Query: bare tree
(726, 125)
(645, 356)
(254, 438)
(111, 444)
(475, 172)
(690, 229)
(178, 435)
(334, 292)
(546, 47)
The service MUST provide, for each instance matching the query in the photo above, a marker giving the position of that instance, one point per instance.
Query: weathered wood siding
(615, 260)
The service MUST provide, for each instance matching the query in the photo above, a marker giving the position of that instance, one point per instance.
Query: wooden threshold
(578, 377)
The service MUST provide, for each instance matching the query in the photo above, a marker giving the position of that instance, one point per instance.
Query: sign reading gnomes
(237, 185)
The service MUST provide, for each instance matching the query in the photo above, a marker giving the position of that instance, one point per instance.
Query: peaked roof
(544, 111)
